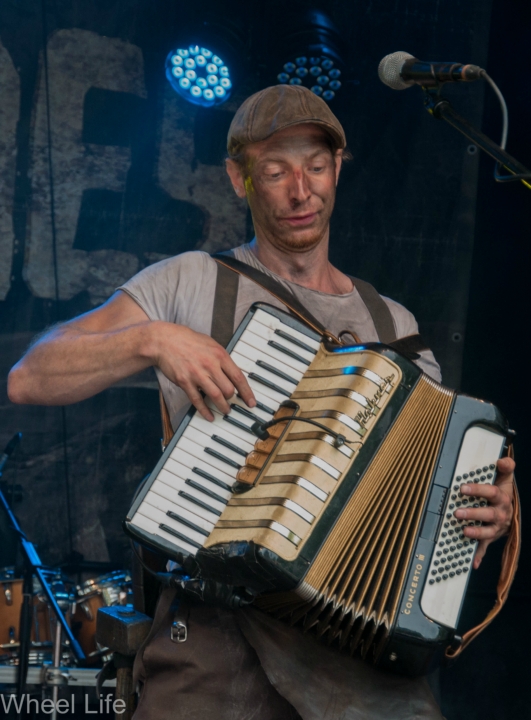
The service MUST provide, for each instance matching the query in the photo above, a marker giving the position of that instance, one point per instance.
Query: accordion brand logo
(414, 586)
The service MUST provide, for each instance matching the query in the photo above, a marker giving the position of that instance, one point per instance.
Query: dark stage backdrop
(100, 156)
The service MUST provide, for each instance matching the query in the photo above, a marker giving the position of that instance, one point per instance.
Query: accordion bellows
(352, 591)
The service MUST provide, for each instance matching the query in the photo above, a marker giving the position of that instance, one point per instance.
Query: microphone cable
(505, 131)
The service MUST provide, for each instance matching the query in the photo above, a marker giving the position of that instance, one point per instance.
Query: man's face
(290, 182)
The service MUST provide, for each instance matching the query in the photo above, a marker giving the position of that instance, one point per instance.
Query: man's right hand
(84, 356)
(196, 363)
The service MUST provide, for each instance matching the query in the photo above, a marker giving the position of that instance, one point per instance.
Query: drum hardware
(33, 568)
(111, 589)
(8, 594)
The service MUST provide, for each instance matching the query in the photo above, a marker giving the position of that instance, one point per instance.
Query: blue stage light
(198, 75)
(310, 52)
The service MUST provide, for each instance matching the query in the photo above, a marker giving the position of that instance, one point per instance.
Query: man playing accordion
(285, 150)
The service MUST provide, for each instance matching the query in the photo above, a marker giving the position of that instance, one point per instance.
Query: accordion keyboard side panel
(300, 477)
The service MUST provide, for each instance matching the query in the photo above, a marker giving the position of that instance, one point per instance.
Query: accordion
(340, 515)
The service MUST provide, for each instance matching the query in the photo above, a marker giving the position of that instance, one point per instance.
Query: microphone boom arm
(441, 109)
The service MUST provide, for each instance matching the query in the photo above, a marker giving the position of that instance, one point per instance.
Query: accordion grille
(352, 590)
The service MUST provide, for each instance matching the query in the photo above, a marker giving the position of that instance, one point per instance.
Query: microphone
(11, 445)
(401, 70)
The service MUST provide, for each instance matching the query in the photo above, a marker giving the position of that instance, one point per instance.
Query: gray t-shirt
(181, 290)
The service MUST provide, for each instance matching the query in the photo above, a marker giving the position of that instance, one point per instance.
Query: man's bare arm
(80, 358)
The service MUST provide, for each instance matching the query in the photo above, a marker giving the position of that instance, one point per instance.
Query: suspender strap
(224, 311)
(276, 289)
(378, 310)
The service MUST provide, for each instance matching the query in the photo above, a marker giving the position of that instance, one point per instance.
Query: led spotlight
(215, 51)
(310, 50)
(195, 81)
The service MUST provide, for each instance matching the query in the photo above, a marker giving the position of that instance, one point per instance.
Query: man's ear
(338, 159)
(235, 174)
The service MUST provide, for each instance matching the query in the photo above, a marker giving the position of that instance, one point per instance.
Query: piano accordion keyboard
(192, 489)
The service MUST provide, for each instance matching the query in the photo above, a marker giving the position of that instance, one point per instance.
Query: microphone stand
(33, 567)
(441, 109)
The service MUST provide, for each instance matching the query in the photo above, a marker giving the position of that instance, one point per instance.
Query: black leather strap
(411, 346)
(224, 311)
(269, 284)
(378, 310)
(227, 291)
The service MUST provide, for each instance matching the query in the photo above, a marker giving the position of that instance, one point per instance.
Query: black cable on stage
(54, 256)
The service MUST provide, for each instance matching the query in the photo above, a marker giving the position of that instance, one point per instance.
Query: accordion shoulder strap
(225, 297)
(378, 310)
(376, 305)
(274, 288)
(509, 564)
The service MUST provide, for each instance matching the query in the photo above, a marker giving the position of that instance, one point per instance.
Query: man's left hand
(497, 516)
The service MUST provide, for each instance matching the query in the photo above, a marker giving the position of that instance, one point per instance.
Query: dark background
(136, 176)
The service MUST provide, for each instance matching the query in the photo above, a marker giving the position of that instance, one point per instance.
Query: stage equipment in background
(400, 70)
(34, 570)
(206, 61)
(309, 52)
(109, 590)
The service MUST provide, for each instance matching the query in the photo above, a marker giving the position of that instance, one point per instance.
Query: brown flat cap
(277, 107)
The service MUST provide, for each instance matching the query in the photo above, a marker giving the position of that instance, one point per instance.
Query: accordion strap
(226, 293)
(509, 564)
(274, 288)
